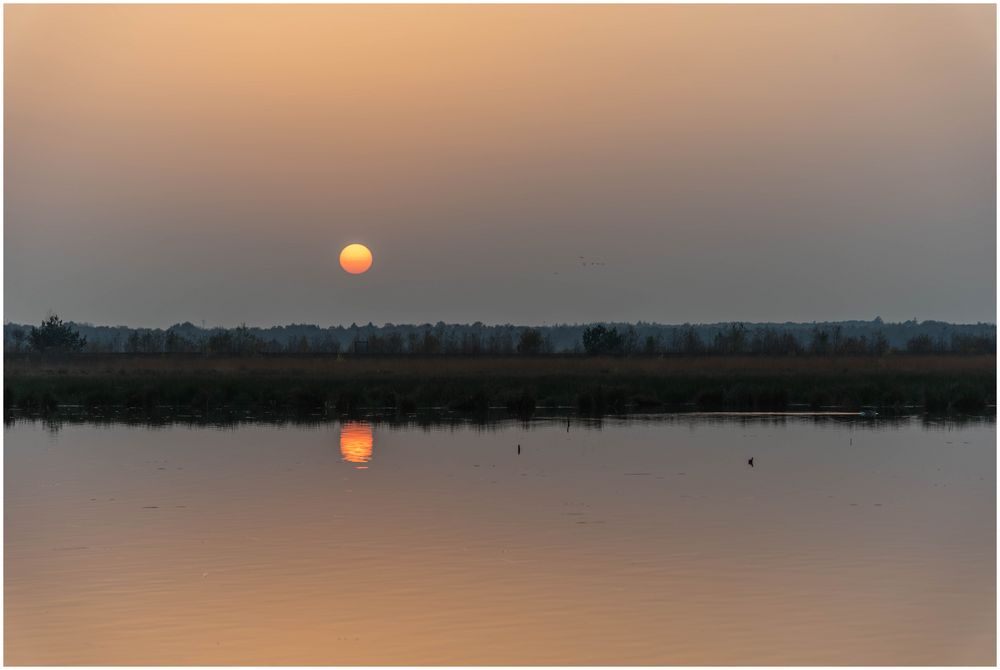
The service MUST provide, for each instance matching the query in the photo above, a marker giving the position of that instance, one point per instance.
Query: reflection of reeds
(490, 421)
(424, 366)
(331, 385)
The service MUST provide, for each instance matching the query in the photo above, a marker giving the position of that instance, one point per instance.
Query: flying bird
(750, 462)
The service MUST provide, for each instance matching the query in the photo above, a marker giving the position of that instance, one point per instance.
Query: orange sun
(356, 259)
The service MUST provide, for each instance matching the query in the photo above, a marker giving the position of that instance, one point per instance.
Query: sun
(356, 259)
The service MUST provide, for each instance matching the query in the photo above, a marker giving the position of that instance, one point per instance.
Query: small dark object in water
(750, 462)
(519, 450)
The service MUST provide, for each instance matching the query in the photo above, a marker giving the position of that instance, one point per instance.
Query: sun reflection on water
(356, 440)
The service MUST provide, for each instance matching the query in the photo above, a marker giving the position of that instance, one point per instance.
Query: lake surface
(626, 541)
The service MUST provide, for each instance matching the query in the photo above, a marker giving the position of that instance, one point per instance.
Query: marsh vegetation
(340, 384)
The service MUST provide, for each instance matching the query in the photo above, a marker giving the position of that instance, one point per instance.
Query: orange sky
(167, 163)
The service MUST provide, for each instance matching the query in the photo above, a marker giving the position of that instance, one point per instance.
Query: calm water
(626, 542)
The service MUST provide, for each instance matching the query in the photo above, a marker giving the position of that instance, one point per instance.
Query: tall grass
(590, 385)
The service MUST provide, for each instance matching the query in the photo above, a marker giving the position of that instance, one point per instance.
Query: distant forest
(829, 338)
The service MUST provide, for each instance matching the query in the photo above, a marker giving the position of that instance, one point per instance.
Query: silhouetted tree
(686, 340)
(299, 345)
(879, 345)
(921, 344)
(220, 342)
(174, 342)
(472, 343)
(770, 342)
(393, 343)
(431, 344)
(855, 346)
(55, 335)
(325, 343)
(501, 342)
(820, 342)
(19, 337)
(144, 342)
(630, 341)
(245, 342)
(732, 340)
(530, 341)
(973, 344)
(599, 340)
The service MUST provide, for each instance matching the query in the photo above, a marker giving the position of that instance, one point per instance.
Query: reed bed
(590, 385)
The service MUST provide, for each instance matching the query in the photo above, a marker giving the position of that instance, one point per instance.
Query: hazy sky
(172, 163)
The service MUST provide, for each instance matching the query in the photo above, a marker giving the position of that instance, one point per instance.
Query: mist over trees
(834, 338)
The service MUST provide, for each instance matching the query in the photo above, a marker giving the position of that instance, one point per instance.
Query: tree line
(768, 341)
(55, 335)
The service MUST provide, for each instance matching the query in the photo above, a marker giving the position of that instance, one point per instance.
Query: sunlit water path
(614, 542)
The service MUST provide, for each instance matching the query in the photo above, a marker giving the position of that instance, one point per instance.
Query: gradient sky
(172, 163)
